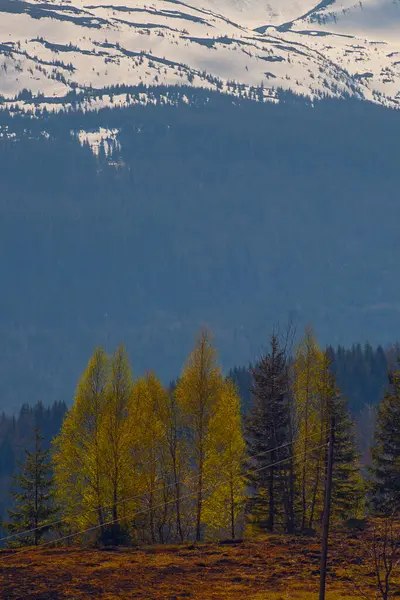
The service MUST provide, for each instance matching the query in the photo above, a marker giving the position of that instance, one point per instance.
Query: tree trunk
(303, 486)
(199, 501)
(115, 503)
(314, 498)
(232, 510)
(271, 498)
(290, 483)
(36, 520)
(152, 531)
(177, 498)
(290, 521)
(178, 511)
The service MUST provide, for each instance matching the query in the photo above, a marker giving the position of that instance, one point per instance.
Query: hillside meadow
(273, 567)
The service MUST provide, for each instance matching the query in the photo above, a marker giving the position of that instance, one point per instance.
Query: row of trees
(135, 461)
(133, 452)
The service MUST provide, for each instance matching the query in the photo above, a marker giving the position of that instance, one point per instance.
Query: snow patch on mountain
(102, 138)
(67, 52)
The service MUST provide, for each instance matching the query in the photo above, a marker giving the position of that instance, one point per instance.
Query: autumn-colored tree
(326, 394)
(197, 394)
(147, 450)
(223, 465)
(175, 460)
(317, 399)
(79, 467)
(311, 390)
(115, 438)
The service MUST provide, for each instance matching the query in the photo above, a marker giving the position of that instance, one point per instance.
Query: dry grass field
(271, 568)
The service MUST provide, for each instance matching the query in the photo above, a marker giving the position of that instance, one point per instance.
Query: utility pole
(327, 510)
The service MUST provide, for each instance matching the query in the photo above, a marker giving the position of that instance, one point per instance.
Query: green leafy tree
(311, 394)
(386, 450)
(318, 399)
(224, 503)
(33, 496)
(197, 394)
(115, 443)
(80, 470)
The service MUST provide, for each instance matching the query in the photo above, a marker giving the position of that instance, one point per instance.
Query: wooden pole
(327, 510)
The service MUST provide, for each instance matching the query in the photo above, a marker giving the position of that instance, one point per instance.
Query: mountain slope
(54, 48)
(234, 214)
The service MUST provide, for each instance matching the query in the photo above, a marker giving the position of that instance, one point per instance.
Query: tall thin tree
(197, 394)
(267, 433)
(386, 450)
(33, 496)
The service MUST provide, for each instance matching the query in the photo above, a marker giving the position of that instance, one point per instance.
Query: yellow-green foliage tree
(327, 393)
(132, 456)
(79, 466)
(224, 503)
(311, 416)
(115, 436)
(197, 394)
(175, 461)
(317, 399)
(148, 450)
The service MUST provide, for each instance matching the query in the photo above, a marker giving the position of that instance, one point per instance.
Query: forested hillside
(197, 209)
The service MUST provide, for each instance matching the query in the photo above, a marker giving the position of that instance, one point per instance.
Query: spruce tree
(347, 483)
(268, 429)
(33, 496)
(386, 450)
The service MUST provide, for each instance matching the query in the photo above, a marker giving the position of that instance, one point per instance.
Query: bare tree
(383, 557)
(385, 553)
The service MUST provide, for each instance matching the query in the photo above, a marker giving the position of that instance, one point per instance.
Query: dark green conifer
(33, 497)
(268, 429)
(386, 450)
(348, 490)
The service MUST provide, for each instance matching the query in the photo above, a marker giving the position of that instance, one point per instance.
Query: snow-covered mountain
(50, 50)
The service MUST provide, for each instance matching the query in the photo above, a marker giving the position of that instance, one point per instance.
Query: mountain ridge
(51, 48)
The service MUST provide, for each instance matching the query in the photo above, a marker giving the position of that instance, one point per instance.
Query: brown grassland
(271, 568)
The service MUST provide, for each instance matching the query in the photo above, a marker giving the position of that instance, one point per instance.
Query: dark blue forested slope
(230, 213)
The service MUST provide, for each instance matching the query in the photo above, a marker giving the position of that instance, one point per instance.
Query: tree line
(136, 462)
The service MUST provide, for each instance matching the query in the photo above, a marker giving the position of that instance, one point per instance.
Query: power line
(136, 496)
(145, 511)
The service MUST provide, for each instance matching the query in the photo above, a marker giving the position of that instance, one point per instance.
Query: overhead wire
(131, 498)
(145, 511)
